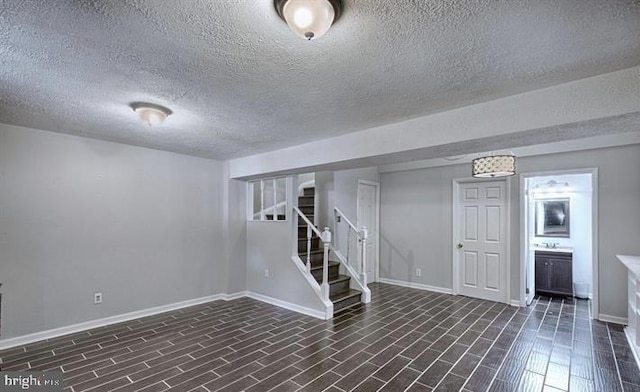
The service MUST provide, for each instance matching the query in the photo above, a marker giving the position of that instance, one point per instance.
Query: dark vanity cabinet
(554, 273)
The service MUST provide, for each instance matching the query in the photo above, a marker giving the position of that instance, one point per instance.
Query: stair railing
(325, 237)
(360, 235)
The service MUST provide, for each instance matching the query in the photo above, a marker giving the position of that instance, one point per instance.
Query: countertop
(557, 250)
(631, 262)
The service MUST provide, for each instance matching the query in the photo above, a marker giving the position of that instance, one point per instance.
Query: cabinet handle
(551, 263)
(546, 263)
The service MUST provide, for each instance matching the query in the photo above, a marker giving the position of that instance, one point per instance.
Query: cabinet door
(561, 276)
(542, 274)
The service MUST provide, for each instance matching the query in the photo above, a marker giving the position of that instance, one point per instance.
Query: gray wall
(79, 216)
(416, 215)
(235, 232)
(270, 246)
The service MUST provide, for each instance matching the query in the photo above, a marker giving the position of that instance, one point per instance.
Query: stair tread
(344, 295)
(319, 265)
(313, 252)
(306, 205)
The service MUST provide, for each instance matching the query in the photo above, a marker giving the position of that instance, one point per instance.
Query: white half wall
(269, 246)
(80, 216)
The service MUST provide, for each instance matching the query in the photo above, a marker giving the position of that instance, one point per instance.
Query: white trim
(613, 319)
(53, 333)
(286, 305)
(419, 286)
(376, 268)
(456, 182)
(595, 291)
(238, 295)
(515, 302)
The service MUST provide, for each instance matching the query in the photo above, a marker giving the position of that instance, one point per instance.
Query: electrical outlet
(267, 273)
(97, 298)
(418, 272)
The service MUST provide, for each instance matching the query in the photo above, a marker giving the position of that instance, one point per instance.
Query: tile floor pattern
(404, 340)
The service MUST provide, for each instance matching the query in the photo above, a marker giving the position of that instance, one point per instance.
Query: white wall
(269, 245)
(416, 215)
(580, 222)
(79, 216)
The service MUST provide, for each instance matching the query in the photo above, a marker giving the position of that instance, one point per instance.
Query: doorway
(481, 239)
(558, 235)
(368, 215)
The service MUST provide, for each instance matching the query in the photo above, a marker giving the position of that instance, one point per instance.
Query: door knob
(460, 246)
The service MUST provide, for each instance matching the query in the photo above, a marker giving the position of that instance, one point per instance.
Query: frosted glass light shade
(494, 166)
(309, 19)
(151, 114)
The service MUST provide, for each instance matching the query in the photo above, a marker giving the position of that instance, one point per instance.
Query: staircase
(340, 292)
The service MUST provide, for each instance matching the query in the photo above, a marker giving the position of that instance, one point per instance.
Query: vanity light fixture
(151, 114)
(552, 187)
(494, 166)
(309, 19)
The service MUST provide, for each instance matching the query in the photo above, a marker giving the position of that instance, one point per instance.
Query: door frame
(376, 240)
(455, 230)
(524, 240)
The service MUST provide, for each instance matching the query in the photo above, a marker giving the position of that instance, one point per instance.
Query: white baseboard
(54, 333)
(613, 319)
(419, 286)
(286, 305)
(515, 302)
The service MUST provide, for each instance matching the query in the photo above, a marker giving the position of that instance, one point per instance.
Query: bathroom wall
(579, 193)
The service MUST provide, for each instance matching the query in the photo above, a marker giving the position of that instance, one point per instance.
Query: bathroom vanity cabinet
(554, 273)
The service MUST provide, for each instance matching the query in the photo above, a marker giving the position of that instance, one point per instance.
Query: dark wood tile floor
(404, 340)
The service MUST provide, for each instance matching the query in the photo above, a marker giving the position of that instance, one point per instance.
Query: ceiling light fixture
(151, 114)
(309, 19)
(494, 166)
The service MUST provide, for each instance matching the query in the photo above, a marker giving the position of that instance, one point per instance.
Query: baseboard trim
(287, 305)
(613, 319)
(515, 302)
(54, 333)
(57, 332)
(418, 286)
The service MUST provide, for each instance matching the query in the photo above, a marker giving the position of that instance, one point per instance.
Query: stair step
(338, 284)
(345, 299)
(307, 210)
(309, 191)
(317, 255)
(306, 200)
(303, 243)
(302, 223)
(316, 270)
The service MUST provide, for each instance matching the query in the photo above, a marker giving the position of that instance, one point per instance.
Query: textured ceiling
(239, 82)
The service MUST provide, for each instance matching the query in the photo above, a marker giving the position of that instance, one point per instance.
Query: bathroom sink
(558, 249)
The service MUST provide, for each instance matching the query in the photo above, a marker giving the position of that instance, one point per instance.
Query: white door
(368, 217)
(482, 244)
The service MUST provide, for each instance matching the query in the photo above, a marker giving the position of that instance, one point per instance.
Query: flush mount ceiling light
(494, 166)
(309, 19)
(150, 114)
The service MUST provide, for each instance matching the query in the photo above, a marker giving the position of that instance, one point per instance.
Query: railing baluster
(363, 243)
(348, 243)
(309, 235)
(326, 239)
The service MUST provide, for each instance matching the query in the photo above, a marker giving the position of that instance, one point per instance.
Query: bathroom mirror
(552, 218)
